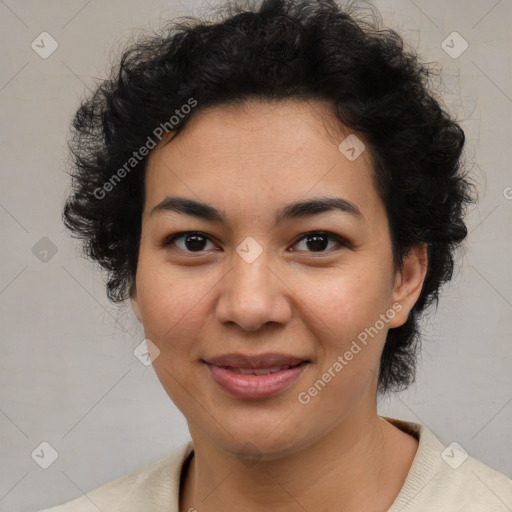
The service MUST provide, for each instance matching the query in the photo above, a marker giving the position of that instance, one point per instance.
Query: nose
(252, 295)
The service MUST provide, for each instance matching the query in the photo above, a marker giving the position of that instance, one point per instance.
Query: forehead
(261, 153)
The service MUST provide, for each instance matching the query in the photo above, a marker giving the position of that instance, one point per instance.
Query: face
(269, 318)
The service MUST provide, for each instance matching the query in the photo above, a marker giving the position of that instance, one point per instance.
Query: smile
(256, 383)
(258, 371)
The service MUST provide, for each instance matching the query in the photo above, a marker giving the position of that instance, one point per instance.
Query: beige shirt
(440, 479)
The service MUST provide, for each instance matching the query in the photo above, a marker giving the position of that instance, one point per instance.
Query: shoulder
(152, 487)
(446, 477)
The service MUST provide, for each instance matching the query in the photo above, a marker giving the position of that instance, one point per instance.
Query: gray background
(68, 374)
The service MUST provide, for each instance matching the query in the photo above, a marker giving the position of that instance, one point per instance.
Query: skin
(334, 453)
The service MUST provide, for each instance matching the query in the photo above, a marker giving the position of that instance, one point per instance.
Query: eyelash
(331, 236)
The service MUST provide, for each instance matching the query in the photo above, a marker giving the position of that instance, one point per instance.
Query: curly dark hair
(275, 50)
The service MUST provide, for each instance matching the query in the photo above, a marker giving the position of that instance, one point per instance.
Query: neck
(361, 464)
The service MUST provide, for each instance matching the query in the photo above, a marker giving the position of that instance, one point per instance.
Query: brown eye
(318, 241)
(189, 241)
(313, 242)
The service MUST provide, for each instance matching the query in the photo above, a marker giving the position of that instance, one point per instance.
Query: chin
(270, 438)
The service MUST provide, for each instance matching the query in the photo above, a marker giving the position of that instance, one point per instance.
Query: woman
(280, 197)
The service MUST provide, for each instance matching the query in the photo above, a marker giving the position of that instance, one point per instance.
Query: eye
(191, 241)
(194, 241)
(318, 241)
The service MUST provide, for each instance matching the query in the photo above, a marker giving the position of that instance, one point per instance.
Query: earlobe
(135, 304)
(409, 282)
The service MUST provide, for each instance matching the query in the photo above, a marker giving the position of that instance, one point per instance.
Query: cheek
(172, 307)
(170, 304)
(349, 301)
(347, 311)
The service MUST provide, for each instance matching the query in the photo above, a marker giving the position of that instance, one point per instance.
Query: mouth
(256, 377)
(260, 371)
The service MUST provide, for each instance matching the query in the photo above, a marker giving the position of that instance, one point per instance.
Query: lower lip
(253, 387)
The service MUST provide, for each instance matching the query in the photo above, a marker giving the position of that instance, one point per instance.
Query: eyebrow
(305, 208)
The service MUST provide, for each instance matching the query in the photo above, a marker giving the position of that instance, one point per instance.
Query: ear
(135, 303)
(409, 282)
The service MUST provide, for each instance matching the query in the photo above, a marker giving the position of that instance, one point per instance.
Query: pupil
(314, 243)
(195, 242)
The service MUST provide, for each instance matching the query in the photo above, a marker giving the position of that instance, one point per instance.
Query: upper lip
(256, 361)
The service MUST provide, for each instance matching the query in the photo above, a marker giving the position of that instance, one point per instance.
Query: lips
(261, 361)
(255, 377)
(259, 371)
